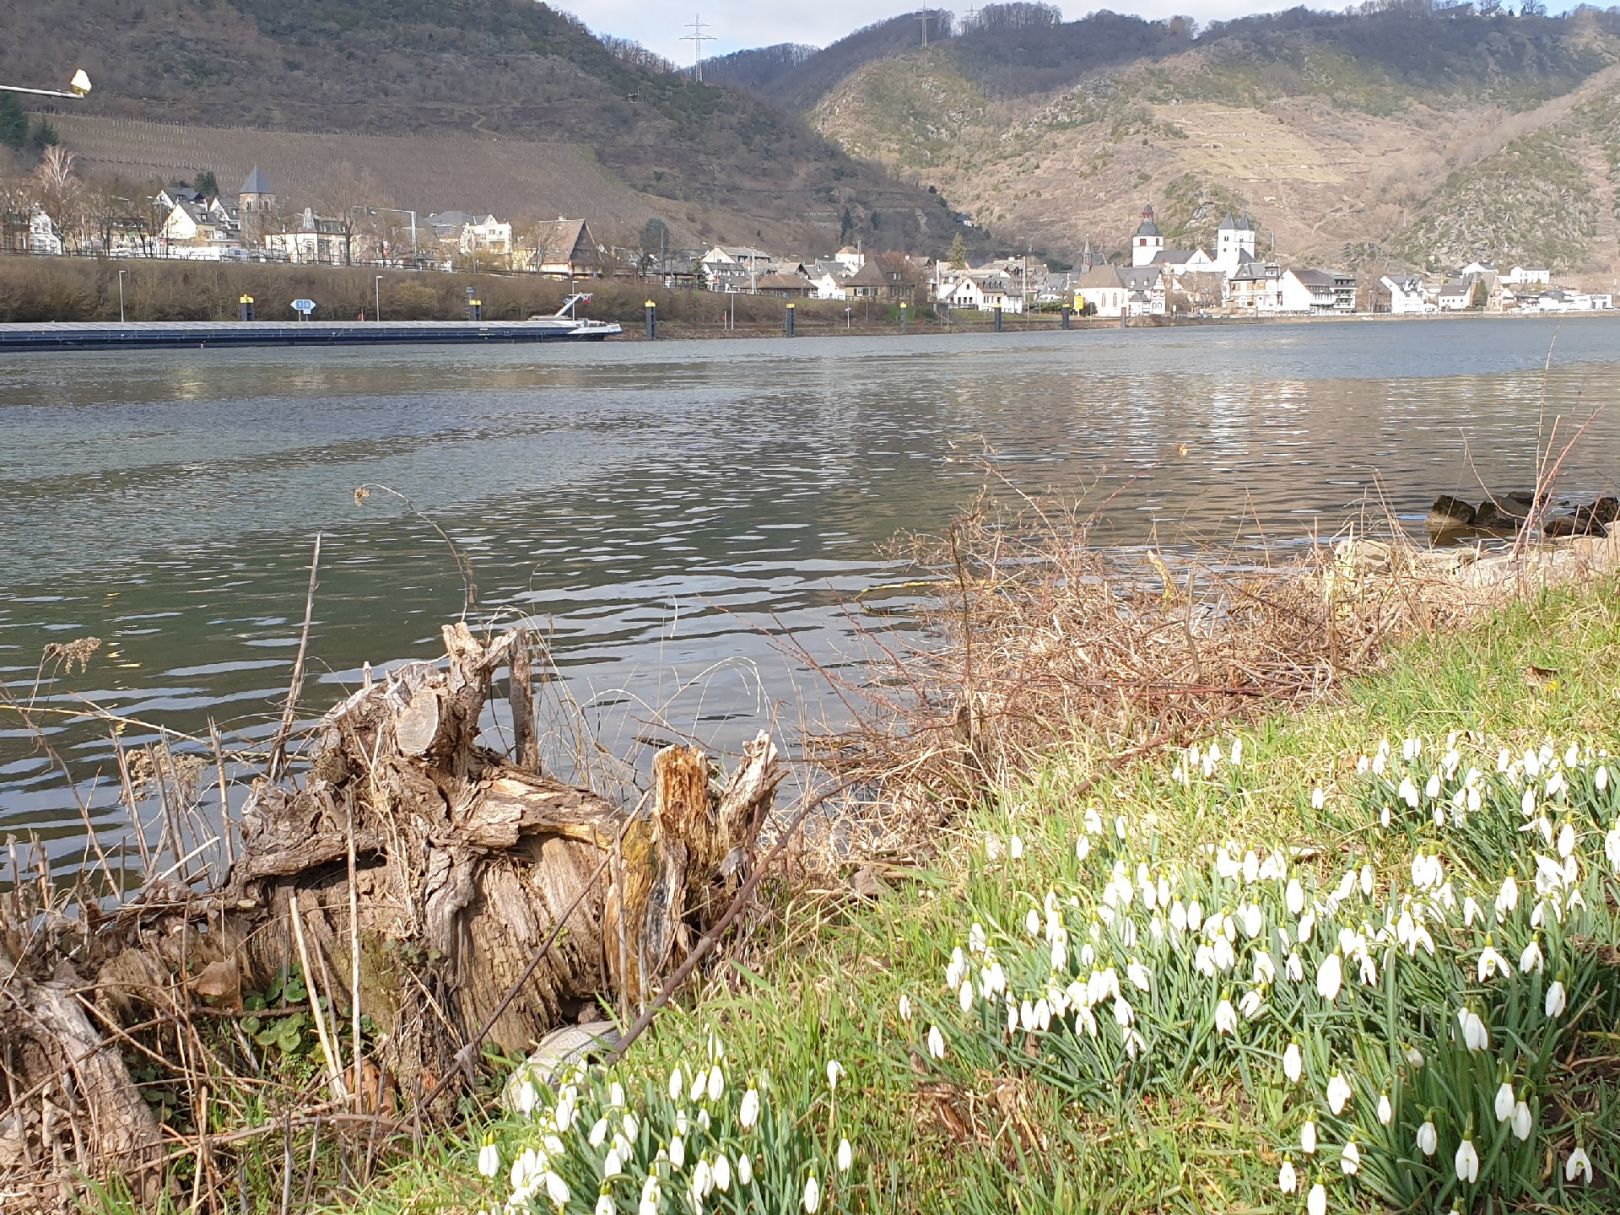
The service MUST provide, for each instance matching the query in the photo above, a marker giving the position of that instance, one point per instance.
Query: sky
(734, 25)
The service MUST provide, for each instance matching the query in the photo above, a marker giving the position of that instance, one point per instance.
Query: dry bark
(464, 866)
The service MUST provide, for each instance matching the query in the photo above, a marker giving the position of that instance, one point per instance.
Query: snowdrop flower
(1338, 1093)
(1032, 922)
(1555, 999)
(489, 1159)
(1329, 978)
(1523, 1121)
(936, 1042)
(745, 1170)
(598, 1135)
(527, 1097)
(717, 1083)
(1611, 846)
(1316, 1202)
(1476, 1036)
(846, 1155)
(1470, 911)
(1531, 958)
(1466, 1162)
(1414, 1058)
(1294, 967)
(1225, 1017)
(614, 1164)
(964, 995)
(812, 1195)
(1409, 792)
(1237, 751)
(1508, 897)
(1294, 897)
(1432, 789)
(1015, 847)
(677, 1152)
(1318, 798)
(1293, 1065)
(1307, 1138)
(1490, 962)
(1138, 975)
(1503, 1104)
(702, 1180)
(1566, 840)
(905, 1007)
(1307, 924)
(748, 1112)
(1386, 1111)
(835, 1073)
(1428, 1139)
(557, 1189)
(1578, 1165)
(1601, 779)
(992, 847)
(1287, 1179)
(676, 1084)
(605, 1205)
(1350, 1158)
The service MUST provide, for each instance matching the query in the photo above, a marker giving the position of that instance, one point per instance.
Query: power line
(922, 16)
(697, 37)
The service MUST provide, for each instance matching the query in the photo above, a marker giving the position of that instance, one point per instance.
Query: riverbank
(1087, 1065)
(1276, 949)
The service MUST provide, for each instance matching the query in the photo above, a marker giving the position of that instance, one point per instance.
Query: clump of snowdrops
(696, 1140)
(1401, 999)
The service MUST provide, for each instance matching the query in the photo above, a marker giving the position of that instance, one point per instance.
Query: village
(1153, 280)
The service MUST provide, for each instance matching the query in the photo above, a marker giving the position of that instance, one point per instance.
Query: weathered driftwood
(464, 864)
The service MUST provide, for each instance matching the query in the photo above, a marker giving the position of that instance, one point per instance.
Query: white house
(1306, 291)
(1525, 276)
(1407, 296)
(851, 258)
(311, 239)
(1177, 262)
(43, 237)
(203, 229)
(1455, 295)
(1255, 287)
(1147, 286)
(487, 235)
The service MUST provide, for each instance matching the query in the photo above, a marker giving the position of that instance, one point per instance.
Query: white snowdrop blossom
(1556, 998)
(812, 1195)
(835, 1073)
(1579, 1165)
(1015, 848)
(1350, 1158)
(1523, 1121)
(1338, 1093)
(1307, 1138)
(1287, 1179)
(936, 1042)
(905, 1007)
(605, 1205)
(1316, 1201)
(1530, 959)
(1466, 1162)
(745, 1170)
(748, 1111)
(527, 1097)
(1225, 1017)
(1329, 977)
(1428, 1139)
(489, 1159)
(1503, 1104)
(1476, 1036)
(557, 1189)
(846, 1155)
(1386, 1111)
(1293, 1065)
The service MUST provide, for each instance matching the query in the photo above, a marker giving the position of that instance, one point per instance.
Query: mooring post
(475, 309)
(650, 310)
(792, 318)
(903, 316)
(998, 319)
(1065, 315)
(244, 307)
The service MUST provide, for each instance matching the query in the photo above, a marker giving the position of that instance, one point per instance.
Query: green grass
(1055, 1122)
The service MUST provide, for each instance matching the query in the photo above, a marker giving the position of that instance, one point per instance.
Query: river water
(677, 516)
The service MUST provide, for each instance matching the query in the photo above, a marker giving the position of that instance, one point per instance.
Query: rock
(1606, 510)
(1563, 525)
(557, 1050)
(1449, 514)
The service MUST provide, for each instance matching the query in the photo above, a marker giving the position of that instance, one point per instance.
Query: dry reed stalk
(278, 748)
(334, 1071)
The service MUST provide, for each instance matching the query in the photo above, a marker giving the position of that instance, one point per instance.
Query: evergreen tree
(655, 237)
(208, 184)
(13, 122)
(42, 136)
(958, 253)
(846, 227)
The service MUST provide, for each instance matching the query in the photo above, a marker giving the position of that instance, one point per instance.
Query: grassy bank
(1043, 1020)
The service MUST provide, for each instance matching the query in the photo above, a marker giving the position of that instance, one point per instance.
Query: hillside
(1398, 138)
(713, 162)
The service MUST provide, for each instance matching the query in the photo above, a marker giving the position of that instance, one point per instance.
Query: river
(670, 513)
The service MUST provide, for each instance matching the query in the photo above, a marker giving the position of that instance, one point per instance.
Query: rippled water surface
(670, 511)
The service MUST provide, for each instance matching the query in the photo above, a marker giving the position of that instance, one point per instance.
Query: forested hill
(1403, 134)
(712, 160)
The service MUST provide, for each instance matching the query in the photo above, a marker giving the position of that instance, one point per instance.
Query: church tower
(1147, 242)
(255, 194)
(1234, 242)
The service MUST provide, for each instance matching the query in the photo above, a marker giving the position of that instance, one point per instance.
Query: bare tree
(61, 195)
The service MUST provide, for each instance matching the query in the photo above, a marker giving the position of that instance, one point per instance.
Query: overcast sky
(735, 24)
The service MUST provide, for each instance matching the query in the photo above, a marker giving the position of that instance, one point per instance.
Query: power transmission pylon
(697, 37)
